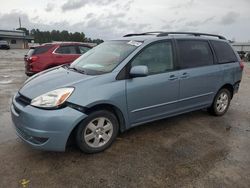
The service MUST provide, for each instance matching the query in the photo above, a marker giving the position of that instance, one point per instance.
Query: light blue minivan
(123, 83)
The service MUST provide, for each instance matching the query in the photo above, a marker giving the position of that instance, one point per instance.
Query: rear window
(224, 52)
(30, 52)
(194, 53)
(38, 50)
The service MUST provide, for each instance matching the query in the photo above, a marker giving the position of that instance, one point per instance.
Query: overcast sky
(108, 19)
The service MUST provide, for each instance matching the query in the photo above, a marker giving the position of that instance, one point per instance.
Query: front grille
(24, 101)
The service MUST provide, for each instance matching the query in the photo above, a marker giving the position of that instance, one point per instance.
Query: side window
(157, 57)
(194, 53)
(224, 52)
(66, 50)
(83, 49)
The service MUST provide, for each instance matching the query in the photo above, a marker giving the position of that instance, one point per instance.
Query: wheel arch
(230, 88)
(103, 106)
(112, 108)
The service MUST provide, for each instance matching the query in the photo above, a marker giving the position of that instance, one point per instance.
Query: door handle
(173, 77)
(184, 75)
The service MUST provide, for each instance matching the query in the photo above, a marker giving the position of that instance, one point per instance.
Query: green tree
(65, 35)
(24, 29)
(56, 35)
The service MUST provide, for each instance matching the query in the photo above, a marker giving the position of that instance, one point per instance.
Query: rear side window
(224, 52)
(157, 57)
(66, 50)
(194, 53)
(39, 50)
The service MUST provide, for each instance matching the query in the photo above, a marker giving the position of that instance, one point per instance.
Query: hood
(51, 80)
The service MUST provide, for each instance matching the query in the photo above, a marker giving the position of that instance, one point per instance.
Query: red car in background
(49, 55)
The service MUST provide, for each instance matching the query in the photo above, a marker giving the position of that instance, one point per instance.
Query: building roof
(241, 44)
(16, 34)
(15, 31)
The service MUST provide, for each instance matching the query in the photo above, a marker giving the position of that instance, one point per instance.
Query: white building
(241, 46)
(16, 38)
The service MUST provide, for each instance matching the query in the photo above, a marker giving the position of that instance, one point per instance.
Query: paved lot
(191, 150)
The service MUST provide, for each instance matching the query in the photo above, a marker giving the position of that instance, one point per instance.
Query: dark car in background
(4, 45)
(49, 55)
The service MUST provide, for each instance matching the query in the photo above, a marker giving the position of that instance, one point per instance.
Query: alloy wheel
(222, 102)
(98, 132)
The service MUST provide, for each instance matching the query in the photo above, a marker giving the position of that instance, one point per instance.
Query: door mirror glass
(139, 71)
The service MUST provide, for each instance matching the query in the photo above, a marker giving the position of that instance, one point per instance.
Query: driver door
(156, 95)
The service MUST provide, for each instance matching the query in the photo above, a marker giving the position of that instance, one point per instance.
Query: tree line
(56, 35)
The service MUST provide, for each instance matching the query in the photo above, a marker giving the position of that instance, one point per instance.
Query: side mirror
(139, 71)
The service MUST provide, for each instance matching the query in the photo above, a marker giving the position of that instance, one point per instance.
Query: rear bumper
(44, 129)
(236, 87)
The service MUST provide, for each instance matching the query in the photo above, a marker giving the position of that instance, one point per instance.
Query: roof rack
(161, 34)
(146, 33)
(190, 33)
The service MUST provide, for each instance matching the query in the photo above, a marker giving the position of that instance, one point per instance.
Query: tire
(29, 74)
(97, 132)
(221, 102)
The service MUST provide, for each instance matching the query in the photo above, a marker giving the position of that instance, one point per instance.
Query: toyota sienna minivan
(123, 83)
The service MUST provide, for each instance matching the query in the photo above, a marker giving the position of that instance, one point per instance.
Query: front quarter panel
(104, 89)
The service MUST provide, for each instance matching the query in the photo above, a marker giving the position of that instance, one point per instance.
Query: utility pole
(20, 23)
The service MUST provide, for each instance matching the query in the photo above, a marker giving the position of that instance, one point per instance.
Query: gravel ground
(190, 150)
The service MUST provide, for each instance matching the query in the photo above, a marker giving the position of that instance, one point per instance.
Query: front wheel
(221, 102)
(97, 132)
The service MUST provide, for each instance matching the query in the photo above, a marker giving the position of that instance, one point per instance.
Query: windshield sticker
(135, 43)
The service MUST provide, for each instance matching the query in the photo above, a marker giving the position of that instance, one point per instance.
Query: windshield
(104, 57)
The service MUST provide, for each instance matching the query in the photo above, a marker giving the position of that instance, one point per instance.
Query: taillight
(33, 59)
(241, 65)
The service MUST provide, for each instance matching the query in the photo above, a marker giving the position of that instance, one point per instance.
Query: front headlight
(52, 99)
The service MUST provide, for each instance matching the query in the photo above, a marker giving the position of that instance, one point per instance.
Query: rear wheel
(97, 132)
(29, 74)
(221, 102)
